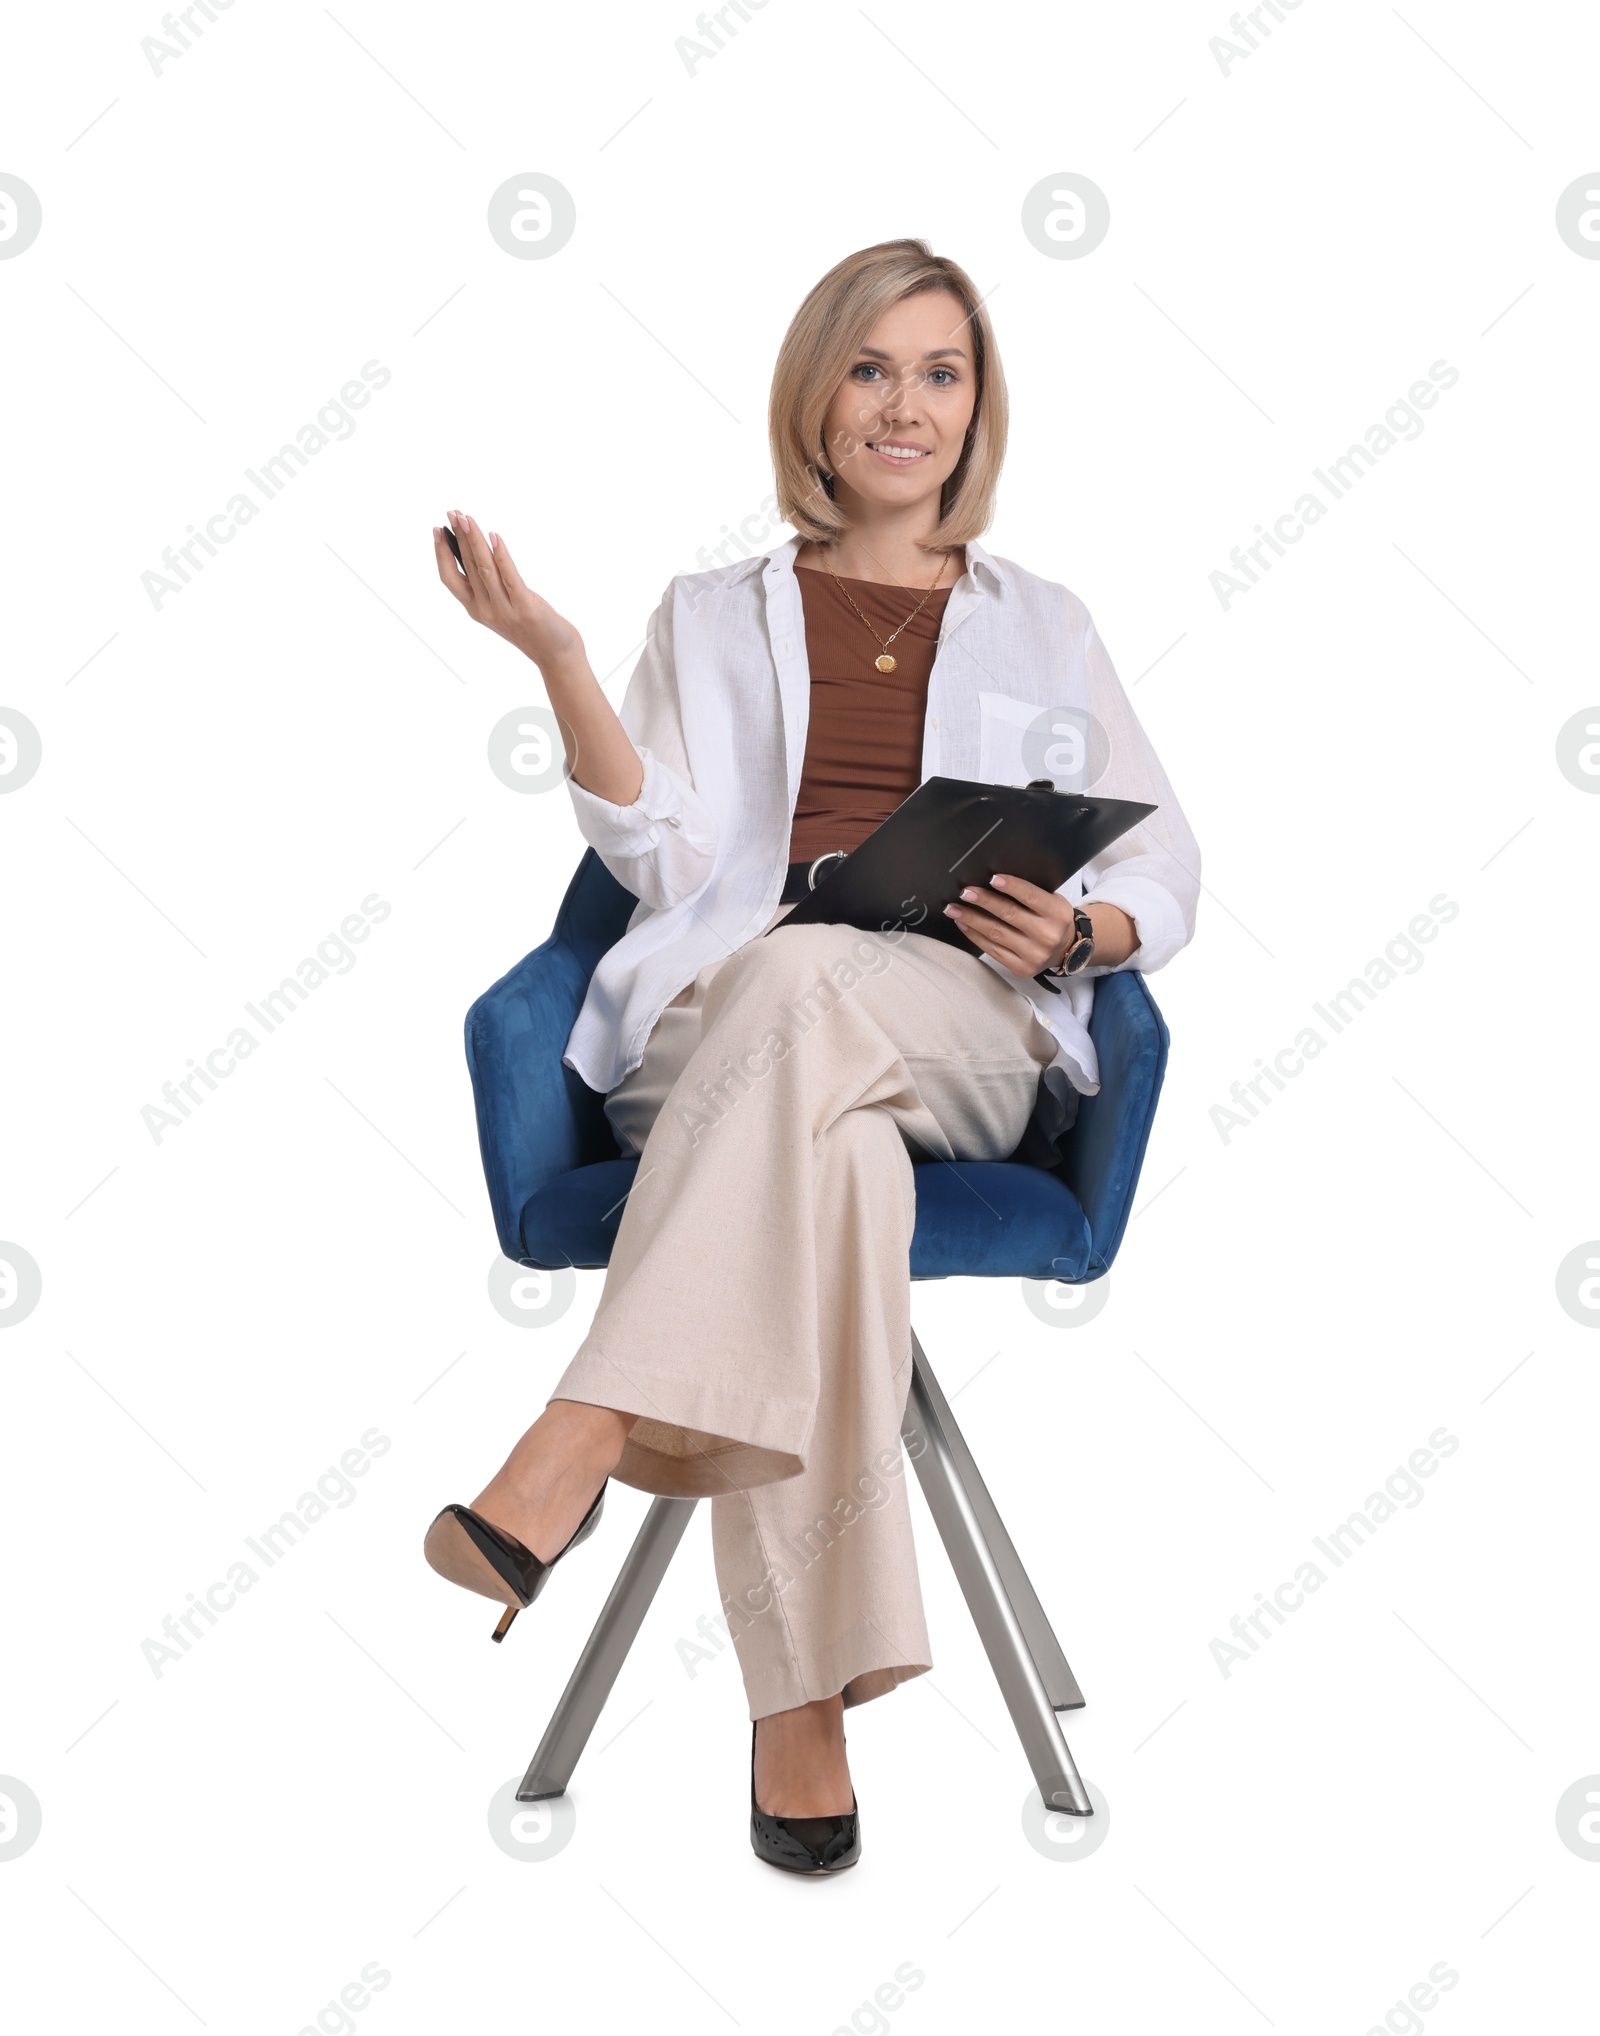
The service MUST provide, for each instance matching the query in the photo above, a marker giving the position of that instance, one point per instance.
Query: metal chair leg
(926, 1431)
(606, 1650)
(1059, 1681)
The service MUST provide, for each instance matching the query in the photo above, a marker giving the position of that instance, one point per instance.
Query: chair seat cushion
(975, 1218)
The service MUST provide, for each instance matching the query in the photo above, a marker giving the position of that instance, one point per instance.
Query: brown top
(864, 741)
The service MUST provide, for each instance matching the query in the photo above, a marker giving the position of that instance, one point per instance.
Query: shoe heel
(468, 1550)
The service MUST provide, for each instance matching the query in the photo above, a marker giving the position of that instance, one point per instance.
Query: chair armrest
(1106, 1145)
(536, 1118)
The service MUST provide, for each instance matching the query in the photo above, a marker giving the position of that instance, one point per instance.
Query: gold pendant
(884, 663)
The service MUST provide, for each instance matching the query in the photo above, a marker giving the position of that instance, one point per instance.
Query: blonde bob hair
(823, 338)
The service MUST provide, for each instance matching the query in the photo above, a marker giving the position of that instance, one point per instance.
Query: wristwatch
(1079, 952)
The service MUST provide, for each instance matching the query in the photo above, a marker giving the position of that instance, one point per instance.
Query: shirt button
(935, 722)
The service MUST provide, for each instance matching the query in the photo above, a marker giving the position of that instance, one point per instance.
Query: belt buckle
(833, 854)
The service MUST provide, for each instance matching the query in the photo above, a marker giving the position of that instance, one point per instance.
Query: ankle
(800, 1765)
(583, 1434)
(557, 1466)
(804, 1732)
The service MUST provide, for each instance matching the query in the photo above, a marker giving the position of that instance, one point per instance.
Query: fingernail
(952, 912)
(969, 895)
(1000, 882)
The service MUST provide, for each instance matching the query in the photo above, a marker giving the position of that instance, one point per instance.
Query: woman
(752, 1342)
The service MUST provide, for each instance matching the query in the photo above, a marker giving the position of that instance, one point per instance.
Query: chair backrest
(537, 1120)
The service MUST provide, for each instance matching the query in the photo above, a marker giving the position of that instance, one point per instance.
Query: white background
(1296, 1308)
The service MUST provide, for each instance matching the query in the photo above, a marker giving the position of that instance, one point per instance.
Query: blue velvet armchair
(557, 1186)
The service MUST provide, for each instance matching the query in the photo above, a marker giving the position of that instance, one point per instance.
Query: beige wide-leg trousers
(756, 1313)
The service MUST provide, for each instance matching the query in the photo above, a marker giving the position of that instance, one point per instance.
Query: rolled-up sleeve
(662, 846)
(1153, 872)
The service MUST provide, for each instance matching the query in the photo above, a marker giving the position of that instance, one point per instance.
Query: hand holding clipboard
(950, 834)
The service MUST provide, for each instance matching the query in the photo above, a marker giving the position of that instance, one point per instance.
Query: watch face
(1078, 956)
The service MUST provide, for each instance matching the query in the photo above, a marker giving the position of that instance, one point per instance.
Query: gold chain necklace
(884, 662)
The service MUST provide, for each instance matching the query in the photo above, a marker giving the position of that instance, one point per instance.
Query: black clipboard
(951, 833)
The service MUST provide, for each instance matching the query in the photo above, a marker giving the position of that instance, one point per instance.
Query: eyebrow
(936, 353)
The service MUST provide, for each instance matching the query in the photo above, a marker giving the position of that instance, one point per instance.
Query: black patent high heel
(815, 1845)
(467, 1549)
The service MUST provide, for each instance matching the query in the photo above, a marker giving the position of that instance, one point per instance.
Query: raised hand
(493, 592)
(600, 757)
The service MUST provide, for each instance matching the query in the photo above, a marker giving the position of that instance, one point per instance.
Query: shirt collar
(780, 554)
(783, 555)
(979, 558)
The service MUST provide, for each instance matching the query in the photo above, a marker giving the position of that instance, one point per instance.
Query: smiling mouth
(903, 455)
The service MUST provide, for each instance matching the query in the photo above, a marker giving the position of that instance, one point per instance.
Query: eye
(948, 374)
(866, 368)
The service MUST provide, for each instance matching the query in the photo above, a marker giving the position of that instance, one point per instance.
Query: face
(898, 421)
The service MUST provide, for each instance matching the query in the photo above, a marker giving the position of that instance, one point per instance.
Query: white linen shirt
(717, 709)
